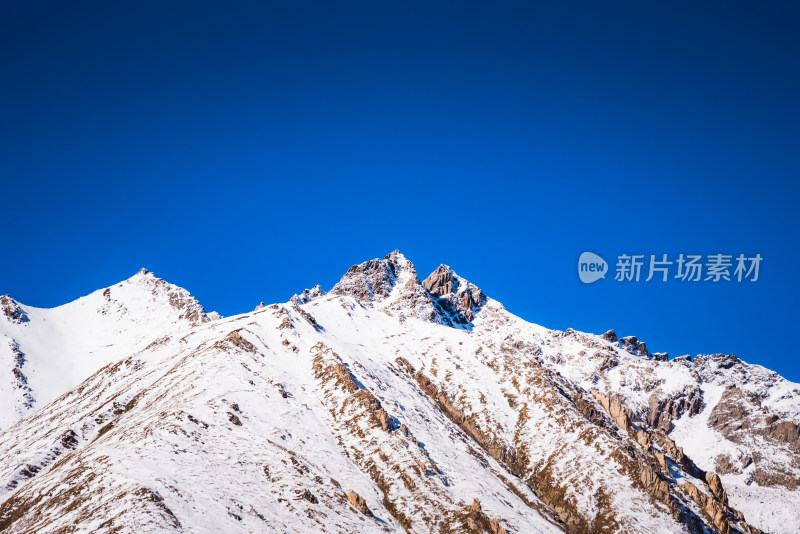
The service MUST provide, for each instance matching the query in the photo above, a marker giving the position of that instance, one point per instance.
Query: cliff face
(393, 404)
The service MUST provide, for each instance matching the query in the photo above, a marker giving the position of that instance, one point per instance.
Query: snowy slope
(751, 439)
(389, 404)
(46, 352)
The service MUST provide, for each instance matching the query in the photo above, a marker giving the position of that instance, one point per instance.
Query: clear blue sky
(248, 150)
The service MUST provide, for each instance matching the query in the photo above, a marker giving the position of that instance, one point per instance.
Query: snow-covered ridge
(388, 404)
(46, 352)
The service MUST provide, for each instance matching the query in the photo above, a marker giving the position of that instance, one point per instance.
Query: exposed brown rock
(620, 413)
(440, 282)
(69, 439)
(772, 476)
(347, 381)
(739, 415)
(497, 449)
(307, 495)
(715, 484)
(725, 465)
(368, 281)
(475, 507)
(662, 461)
(642, 438)
(12, 310)
(654, 483)
(718, 361)
(358, 502)
(180, 299)
(475, 521)
(634, 346)
(611, 336)
(609, 362)
(236, 339)
(783, 431)
(308, 317)
(383, 418)
(20, 379)
(541, 481)
(715, 507)
(459, 299)
(344, 380)
(677, 455)
(664, 410)
(374, 280)
(308, 295)
(715, 511)
(160, 341)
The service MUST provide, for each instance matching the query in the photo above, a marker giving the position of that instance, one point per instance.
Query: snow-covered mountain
(389, 404)
(47, 352)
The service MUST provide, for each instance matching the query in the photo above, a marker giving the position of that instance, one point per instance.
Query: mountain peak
(392, 281)
(392, 284)
(395, 256)
(375, 279)
(144, 286)
(455, 295)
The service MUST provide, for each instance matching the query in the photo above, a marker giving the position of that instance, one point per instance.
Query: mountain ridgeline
(388, 404)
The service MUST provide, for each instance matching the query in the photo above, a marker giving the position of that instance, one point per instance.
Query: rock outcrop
(370, 281)
(663, 410)
(392, 284)
(634, 346)
(610, 335)
(459, 299)
(478, 522)
(358, 502)
(307, 295)
(12, 310)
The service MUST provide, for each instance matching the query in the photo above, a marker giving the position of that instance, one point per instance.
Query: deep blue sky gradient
(248, 150)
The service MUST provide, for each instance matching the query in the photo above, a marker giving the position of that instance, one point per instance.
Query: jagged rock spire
(307, 295)
(373, 280)
(456, 296)
(392, 284)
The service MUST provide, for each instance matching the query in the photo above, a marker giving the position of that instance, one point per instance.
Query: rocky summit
(387, 404)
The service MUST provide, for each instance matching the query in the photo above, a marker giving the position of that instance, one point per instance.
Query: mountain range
(387, 404)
